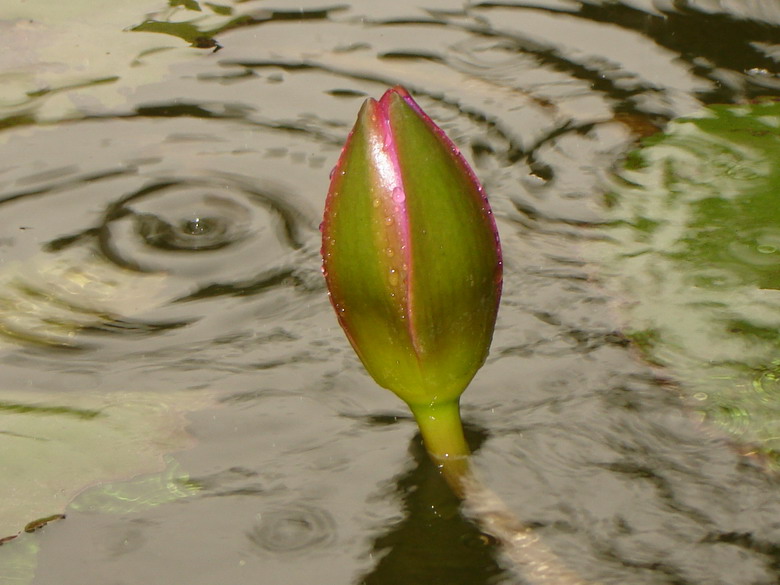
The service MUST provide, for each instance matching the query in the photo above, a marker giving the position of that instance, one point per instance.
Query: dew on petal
(393, 277)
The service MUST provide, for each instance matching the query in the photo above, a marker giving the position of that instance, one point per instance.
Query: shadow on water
(434, 544)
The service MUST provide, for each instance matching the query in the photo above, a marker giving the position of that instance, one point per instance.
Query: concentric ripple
(167, 212)
(293, 529)
(197, 228)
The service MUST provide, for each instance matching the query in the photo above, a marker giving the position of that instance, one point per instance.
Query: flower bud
(411, 254)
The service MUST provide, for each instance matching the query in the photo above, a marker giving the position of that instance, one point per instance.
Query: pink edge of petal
(402, 221)
(466, 167)
(335, 178)
(335, 175)
(406, 96)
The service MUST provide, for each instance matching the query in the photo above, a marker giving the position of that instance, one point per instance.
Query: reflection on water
(161, 203)
(695, 250)
(433, 543)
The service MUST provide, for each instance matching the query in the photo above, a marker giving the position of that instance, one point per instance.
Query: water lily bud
(411, 253)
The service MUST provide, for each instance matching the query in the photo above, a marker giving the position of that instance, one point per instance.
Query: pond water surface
(172, 375)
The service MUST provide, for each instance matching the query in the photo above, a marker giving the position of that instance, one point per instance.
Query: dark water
(161, 305)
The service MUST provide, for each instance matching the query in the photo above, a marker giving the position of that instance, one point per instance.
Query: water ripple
(293, 529)
(172, 224)
(166, 212)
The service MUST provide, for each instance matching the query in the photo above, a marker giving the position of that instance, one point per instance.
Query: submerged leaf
(52, 450)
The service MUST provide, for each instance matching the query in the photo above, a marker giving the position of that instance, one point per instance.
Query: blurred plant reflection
(695, 254)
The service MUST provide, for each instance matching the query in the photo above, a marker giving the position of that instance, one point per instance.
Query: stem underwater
(442, 433)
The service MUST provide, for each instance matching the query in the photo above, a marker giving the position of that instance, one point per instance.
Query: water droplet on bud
(393, 277)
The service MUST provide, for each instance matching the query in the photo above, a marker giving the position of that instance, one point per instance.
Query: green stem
(442, 433)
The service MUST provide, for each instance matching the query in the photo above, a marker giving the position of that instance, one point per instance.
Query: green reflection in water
(694, 254)
(139, 493)
(19, 556)
(18, 560)
(56, 444)
(199, 22)
(82, 413)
